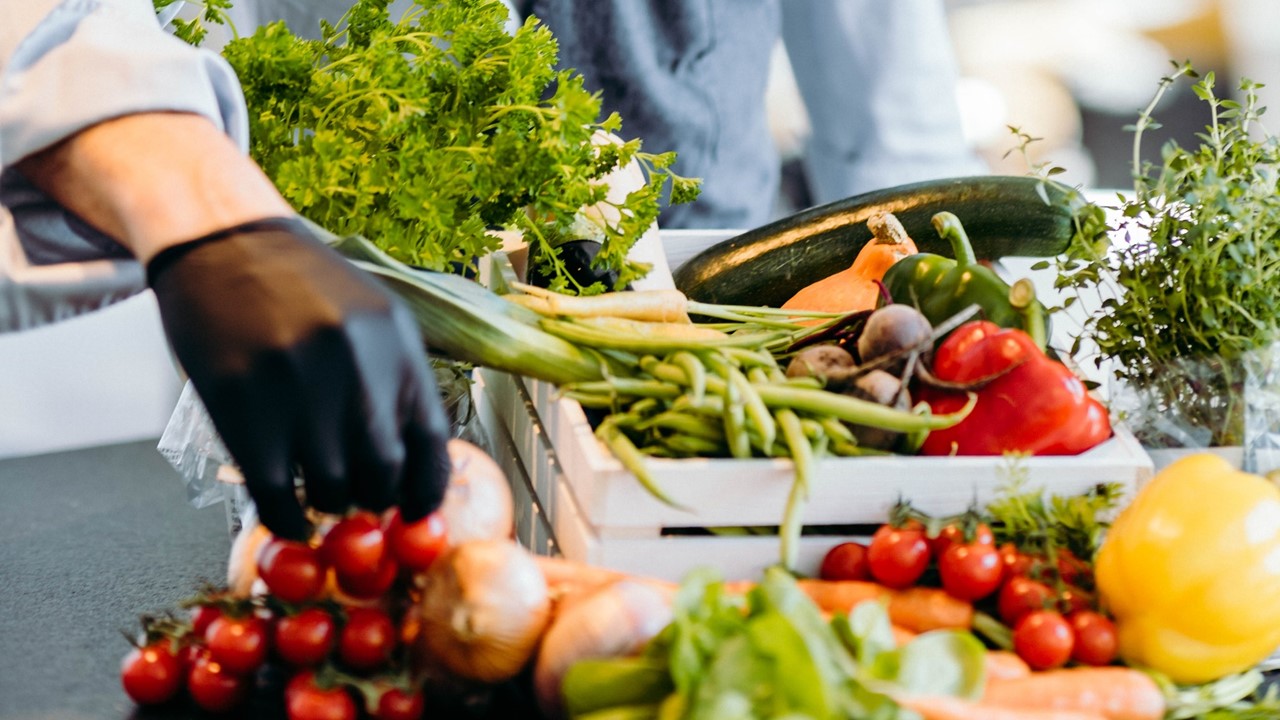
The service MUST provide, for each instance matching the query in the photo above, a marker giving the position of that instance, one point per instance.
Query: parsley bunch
(194, 30)
(1194, 289)
(426, 133)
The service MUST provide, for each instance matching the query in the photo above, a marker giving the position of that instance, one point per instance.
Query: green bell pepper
(940, 287)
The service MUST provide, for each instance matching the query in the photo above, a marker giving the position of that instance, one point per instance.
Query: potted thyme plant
(1186, 275)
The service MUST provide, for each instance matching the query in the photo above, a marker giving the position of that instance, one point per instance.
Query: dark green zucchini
(1004, 216)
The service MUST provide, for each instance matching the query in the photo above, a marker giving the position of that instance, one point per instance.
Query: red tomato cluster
(329, 647)
(1054, 621)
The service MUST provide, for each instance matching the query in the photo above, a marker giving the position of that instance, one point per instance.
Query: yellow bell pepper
(1191, 571)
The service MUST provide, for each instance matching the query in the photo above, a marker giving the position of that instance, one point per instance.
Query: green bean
(710, 406)
(837, 430)
(651, 337)
(748, 358)
(848, 449)
(686, 424)
(735, 420)
(802, 459)
(627, 387)
(694, 370)
(812, 429)
(691, 446)
(858, 412)
(645, 406)
(754, 407)
(590, 400)
(631, 459)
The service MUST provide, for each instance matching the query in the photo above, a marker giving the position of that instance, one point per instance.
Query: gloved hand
(302, 359)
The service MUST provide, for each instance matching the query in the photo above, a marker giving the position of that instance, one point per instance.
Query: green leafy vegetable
(770, 654)
(426, 133)
(194, 30)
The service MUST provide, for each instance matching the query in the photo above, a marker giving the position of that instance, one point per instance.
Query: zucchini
(1003, 215)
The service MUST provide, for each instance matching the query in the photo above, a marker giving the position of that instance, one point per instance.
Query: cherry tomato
(1043, 638)
(897, 557)
(292, 570)
(355, 545)
(1096, 641)
(306, 638)
(201, 617)
(151, 675)
(1071, 568)
(1021, 595)
(1015, 562)
(301, 679)
(189, 654)
(970, 571)
(1074, 599)
(416, 545)
(356, 549)
(367, 638)
(396, 704)
(214, 688)
(953, 533)
(305, 700)
(239, 645)
(846, 561)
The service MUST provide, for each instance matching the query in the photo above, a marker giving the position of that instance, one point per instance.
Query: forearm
(152, 180)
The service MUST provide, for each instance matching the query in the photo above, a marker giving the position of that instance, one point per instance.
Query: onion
(484, 608)
(615, 620)
(242, 565)
(478, 504)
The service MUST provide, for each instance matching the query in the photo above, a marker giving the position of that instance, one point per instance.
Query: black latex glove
(303, 361)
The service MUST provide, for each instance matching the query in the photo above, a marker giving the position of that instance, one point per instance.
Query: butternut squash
(855, 288)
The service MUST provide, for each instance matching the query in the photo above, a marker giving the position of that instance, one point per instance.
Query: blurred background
(1076, 72)
(1072, 72)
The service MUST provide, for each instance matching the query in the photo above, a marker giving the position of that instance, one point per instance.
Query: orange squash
(855, 288)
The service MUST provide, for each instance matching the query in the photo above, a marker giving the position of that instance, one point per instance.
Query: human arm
(878, 82)
(302, 361)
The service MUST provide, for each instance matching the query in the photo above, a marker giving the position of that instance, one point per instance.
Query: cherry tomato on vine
(1096, 641)
(305, 700)
(416, 545)
(970, 571)
(239, 645)
(1014, 561)
(293, 571)
(1073, 599)
(1043, 639)
(201, 617)
(396, 704)
(897, 557)
(356, 548)
(151, 675)
(306, 638)
(215, 688)
(846, 561)
(367, 639)
(1021, 595)
(953, 533)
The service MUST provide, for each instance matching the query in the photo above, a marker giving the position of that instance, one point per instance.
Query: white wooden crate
(576, 499)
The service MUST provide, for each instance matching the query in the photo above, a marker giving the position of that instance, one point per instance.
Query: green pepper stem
(950, 229)
(1022, 298)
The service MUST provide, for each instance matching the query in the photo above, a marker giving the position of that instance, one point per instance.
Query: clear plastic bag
(1231, 407)
(192, 445)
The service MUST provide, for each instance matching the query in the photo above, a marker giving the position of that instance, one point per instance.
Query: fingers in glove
(272, 488)
(426, 466)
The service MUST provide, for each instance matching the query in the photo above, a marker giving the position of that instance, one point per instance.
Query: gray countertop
(88, 540)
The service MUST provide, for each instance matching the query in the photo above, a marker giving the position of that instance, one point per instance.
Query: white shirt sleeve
(66, 65)
(878, 81)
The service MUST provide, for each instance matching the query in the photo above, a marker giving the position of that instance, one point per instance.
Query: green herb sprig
(426, 133)
(1190, 270)
(194, 30)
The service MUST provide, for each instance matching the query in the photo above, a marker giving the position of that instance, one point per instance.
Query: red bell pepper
(1031, 404)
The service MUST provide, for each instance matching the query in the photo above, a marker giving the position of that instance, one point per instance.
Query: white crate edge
(727, 492)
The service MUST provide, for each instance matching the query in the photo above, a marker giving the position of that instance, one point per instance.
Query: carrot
(943, 707)
(854, 288)
(1005, 665)
(902, 636)
(1116, 693)
(917, 609)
